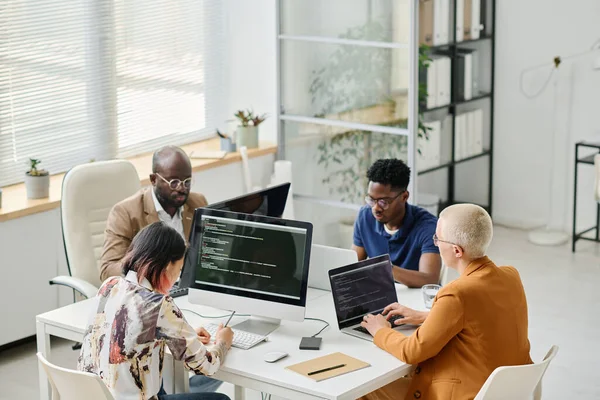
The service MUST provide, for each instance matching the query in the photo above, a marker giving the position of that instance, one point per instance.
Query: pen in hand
(231, 316)
(224, 326)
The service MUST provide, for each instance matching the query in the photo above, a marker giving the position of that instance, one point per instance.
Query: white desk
(246, 368)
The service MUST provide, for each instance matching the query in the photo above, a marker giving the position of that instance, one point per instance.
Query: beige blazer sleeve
(444, 321)
(117, 238)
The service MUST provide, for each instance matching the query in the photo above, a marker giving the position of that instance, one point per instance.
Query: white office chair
(89, 192)
(73, 385)
(516, 382)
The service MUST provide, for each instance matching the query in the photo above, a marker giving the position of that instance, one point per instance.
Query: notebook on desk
(327, 364)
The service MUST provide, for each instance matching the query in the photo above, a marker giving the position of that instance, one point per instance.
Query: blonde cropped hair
(468, 226)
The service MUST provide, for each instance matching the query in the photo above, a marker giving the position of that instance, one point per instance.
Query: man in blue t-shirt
(389, 225)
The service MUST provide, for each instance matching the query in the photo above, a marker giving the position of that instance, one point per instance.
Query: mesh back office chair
(89, 192)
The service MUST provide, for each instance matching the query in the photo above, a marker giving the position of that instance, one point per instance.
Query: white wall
(531, 33)
(251, 41)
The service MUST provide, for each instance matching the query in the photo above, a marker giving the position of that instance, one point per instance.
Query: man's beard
(167, 201)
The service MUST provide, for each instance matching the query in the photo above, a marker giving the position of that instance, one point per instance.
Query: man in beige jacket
(477, 323)
(169, 200)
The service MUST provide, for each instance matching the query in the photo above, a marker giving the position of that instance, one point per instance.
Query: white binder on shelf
(460, 17)
(422, 145)
(477, 120)
(443, 72)
(431, 84)
(475, 90)
(469, 75)
(469, 134)
(441, 22)
(459, 136)
(429, 155)
(474, 136)
(445, 21)
(435, 143)
(475, 19)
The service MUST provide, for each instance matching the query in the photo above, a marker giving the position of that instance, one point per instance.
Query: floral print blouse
(125, 340)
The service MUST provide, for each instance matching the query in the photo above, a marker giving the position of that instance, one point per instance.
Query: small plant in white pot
(247, 131)
(37, 181)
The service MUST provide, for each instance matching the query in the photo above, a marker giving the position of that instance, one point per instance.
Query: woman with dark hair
(135, 318)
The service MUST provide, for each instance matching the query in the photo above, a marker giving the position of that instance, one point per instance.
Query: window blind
(43, 102)
(95, 79)
(169, 72)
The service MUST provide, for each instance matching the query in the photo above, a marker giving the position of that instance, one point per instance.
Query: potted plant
(247, 131)
(37, 181)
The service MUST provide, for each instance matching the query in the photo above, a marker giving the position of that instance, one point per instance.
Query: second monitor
(250, 264)
(269, 202)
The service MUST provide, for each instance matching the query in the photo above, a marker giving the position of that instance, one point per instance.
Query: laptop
(324, 258)
(362, 288)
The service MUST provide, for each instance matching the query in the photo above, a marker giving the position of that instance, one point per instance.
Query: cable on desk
(320, 320)
(214, 316)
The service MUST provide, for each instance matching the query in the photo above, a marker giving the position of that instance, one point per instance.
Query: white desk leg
(168, 374)
(181, 377)
(43, 346)
(238, 393)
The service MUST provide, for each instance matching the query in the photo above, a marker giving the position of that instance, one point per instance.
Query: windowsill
(15, 203)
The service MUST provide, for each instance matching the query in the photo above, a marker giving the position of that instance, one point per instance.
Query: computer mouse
(274, 356)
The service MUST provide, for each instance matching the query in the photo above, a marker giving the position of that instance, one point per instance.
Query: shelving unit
(584, 160)
(456, 162)
(451, 49)
(347, 90)
(457, 103)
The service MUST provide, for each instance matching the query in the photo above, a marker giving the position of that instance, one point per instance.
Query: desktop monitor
(269, 202)
(250, 264)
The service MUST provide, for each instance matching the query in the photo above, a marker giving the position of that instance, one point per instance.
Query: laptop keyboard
(391, 320)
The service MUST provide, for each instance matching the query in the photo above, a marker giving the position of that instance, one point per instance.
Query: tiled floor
(563, 308)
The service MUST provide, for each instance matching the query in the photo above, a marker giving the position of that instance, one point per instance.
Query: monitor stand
(258, 325)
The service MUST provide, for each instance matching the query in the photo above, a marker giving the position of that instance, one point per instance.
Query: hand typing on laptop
(398, 314)
(373, 323)
(411, 317)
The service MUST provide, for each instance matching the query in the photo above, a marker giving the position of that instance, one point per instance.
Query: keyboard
(241, 339)
(176, 291)
(391, 321)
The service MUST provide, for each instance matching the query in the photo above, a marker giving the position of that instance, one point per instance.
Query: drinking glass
(429, 292)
